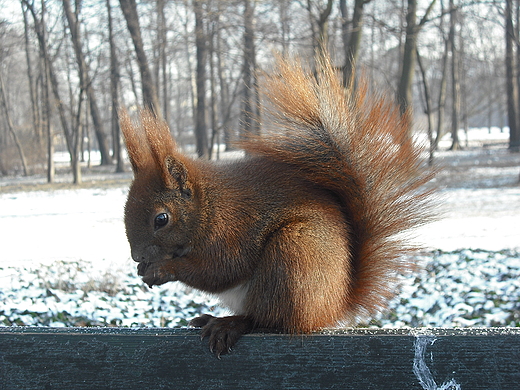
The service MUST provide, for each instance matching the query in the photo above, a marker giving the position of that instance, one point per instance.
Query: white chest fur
(234, 298)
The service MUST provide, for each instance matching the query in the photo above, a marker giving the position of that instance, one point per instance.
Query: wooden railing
(360, 359)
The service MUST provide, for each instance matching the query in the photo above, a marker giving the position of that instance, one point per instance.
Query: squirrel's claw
(223, 333)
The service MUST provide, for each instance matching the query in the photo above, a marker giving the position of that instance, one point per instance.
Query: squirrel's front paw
(223, 333)
(201, 321)
(154, 274)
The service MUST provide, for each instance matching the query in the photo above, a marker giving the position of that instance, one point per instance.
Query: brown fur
(303, 233)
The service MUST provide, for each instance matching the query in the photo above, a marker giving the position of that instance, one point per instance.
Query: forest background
(67, 66)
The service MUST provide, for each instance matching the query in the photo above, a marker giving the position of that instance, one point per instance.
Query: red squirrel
(303, 233)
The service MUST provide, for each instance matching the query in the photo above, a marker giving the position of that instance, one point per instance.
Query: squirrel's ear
(135, 140)
(176, 176)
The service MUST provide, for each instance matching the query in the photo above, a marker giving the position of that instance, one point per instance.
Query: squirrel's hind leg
(307, 277)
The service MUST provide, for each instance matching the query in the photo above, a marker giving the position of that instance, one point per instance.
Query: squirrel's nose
(137, 256)
(145, 253)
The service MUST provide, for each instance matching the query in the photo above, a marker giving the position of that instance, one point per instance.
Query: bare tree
(404, 90)
(46, 113)
(114, 92)
(150, 99)
(86, 81)
(249, 122)
(511, 84)
(283, 9)
(319, 18)
(163, 60)
(512, 79)
(455, 80)
(441, 101)
(214, 59)
(201, 132)
(36, 122)
(351, 36)
(428, 108)
(10, 125)
(226, 101)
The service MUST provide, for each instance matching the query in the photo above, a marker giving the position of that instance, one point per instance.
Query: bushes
(464, 288)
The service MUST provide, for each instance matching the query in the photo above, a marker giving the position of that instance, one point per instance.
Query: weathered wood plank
(117, 358)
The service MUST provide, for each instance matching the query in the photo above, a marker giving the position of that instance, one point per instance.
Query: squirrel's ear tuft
(151, 148)
(164, 152)
(137, 145)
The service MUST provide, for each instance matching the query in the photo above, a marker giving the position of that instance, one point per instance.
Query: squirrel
(306, 231)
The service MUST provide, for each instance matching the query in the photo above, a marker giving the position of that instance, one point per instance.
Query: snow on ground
(47, 226)
(87, 224)
(65, 260)
(483, 218)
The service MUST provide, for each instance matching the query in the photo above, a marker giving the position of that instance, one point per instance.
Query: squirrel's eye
(161, 220)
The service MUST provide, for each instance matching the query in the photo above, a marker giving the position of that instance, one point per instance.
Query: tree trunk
(114, 93)
(75, 136)
(511, 84)
(352, 43)
(284, 24)
(201, 132)
(248, 112)
(192, 76)
(345, 32)
(40, 29)
(150, 99)
(463, 83)
(47, 112)
(319, 26)
(514, 137)
(131, 76)
(404, 90)
(32, 89)
(10, 126)
(455, 79)
(46, 119)
(225, 103)
(441, 102)
(163, 61)
(213, 88)
(86, 83)
(428, 106)
(77, 151)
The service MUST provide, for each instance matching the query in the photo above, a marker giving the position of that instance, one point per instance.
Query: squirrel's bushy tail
(358, 146)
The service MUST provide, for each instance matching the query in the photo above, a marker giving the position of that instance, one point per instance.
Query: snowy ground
(65, 260)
